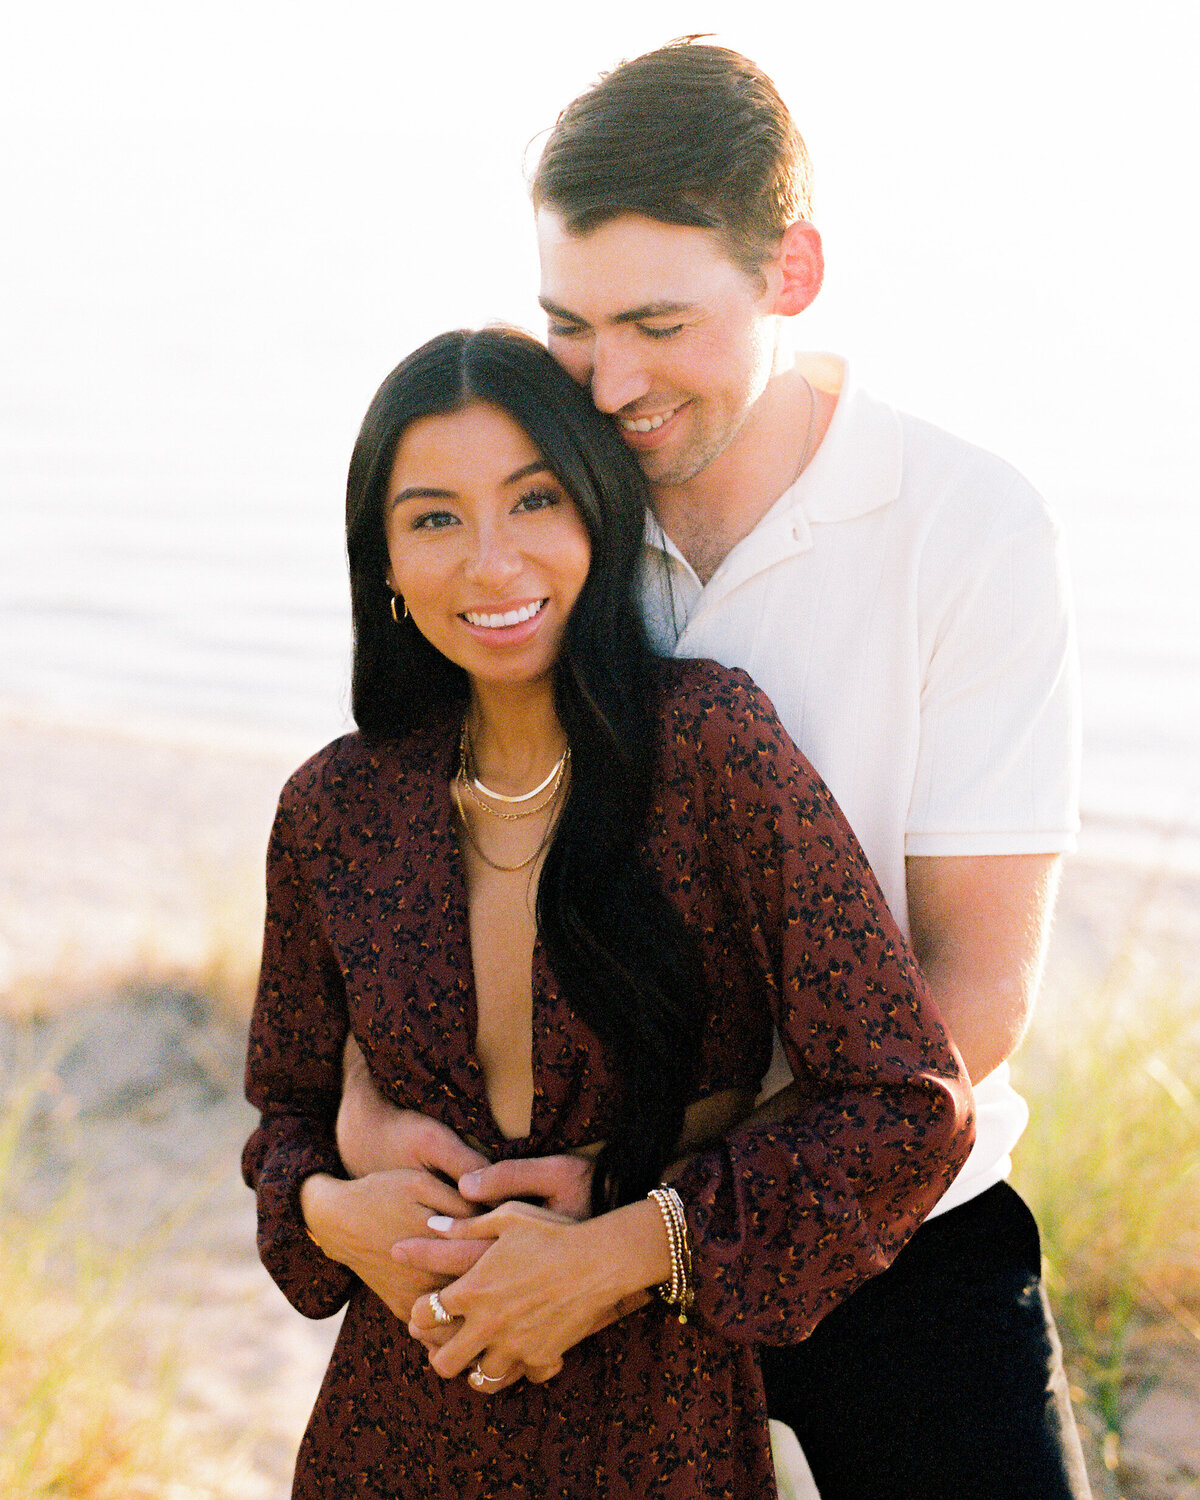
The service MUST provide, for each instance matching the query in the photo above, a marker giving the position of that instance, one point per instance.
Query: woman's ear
(799, 264)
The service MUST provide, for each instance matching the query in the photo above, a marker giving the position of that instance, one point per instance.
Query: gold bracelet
(687, 1294)
(678, 1291)
(669, 1290)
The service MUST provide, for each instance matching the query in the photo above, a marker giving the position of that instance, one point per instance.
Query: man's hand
(561, 1184)
(357, 1223)
(375, 1136)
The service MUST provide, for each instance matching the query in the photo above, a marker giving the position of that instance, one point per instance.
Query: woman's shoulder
(354, 770)
(723, 739)
(703, 700)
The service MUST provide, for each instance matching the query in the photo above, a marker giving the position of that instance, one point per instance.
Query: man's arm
(374, 1136)
(980, 925)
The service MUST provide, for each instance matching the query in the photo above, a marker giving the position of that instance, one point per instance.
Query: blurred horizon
(229, 222)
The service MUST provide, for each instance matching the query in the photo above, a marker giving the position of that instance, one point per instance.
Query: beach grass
(83, 1408)
(1110, 1164)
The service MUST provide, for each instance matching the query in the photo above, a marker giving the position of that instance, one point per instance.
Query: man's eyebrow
(555, 311)
(631, 315)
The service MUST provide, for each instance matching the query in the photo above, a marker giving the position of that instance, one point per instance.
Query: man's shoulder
(942, 472)
(878, 460)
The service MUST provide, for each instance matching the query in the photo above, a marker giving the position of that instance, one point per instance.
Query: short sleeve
(294, 1076)
(998, 762)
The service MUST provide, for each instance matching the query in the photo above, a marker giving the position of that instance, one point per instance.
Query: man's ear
(800, 266)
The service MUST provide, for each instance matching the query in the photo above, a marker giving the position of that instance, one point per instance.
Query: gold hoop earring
(394, 615)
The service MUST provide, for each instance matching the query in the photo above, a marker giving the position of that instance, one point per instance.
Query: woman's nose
(494, 557)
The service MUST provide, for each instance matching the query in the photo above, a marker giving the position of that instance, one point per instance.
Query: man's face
(673, 339)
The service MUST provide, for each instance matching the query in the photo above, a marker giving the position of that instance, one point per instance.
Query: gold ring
(440, 1316)
(478, 1379)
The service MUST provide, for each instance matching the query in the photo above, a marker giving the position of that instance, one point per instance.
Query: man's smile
(648, 423)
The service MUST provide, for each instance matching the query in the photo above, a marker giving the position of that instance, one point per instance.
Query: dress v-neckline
(459, 924)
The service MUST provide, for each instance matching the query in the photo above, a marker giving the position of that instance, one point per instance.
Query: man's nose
(619, 375)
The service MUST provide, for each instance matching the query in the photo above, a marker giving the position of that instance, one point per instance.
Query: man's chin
(669, 471)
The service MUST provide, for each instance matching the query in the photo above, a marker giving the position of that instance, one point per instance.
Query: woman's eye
(537, 500)
(434, 520)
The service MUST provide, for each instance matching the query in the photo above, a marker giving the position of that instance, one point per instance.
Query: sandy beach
(130, 898)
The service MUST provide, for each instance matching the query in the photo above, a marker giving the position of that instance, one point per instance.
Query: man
(898, 595)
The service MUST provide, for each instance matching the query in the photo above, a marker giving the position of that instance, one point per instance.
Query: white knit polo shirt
(904, 605)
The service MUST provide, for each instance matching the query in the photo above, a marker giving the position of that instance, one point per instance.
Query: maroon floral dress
(367, 930)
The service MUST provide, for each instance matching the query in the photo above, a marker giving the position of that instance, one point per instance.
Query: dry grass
(82, 1414)
(1111, 1167)
(99, 1285)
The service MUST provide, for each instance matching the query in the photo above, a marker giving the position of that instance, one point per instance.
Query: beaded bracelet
(678, 1291)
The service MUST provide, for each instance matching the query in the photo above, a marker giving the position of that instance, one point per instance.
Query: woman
(562, 893)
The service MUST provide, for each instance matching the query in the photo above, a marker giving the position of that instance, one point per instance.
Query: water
(226, 223)
(190, 605)
(210, 594)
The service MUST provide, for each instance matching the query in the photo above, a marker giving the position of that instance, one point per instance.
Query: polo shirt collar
(856, 470)
(858, 467)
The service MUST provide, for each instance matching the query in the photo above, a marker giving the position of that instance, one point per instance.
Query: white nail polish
(440, 1223)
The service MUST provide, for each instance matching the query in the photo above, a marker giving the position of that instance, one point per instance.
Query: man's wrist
(318, 1195)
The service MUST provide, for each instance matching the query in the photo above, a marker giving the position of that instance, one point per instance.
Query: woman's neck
(514, 733)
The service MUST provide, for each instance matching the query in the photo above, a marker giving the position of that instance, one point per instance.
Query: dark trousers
(941, 1379)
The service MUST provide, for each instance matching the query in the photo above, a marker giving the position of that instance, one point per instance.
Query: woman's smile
(506, 617)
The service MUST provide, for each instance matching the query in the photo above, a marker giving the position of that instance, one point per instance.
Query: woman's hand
(433, 1331)
(543, 1283)
(356, 1223)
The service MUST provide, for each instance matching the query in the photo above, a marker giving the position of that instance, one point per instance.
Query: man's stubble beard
(695, 460)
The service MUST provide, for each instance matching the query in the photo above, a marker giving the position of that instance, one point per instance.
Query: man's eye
(661, 333)
(564, 330)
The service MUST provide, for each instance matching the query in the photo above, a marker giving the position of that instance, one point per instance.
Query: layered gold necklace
(466, 781)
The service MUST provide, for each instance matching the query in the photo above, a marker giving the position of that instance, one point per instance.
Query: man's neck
(709, 515)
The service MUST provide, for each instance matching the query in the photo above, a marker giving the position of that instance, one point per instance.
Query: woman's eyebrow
(421, 492)
(431, 492)
(539, 466)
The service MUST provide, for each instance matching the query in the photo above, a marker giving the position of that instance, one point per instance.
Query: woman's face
(484, 544)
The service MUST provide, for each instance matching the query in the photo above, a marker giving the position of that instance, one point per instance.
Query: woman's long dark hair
(619, 949)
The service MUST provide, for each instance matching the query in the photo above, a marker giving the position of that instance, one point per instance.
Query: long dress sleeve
(294, 1076)
(787, 1217)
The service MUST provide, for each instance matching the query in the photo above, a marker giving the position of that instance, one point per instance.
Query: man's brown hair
(689, 134)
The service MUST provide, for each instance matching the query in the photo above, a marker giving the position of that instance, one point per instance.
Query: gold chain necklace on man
(812, 422)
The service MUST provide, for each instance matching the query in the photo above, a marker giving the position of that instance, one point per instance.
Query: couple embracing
(533, 930)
